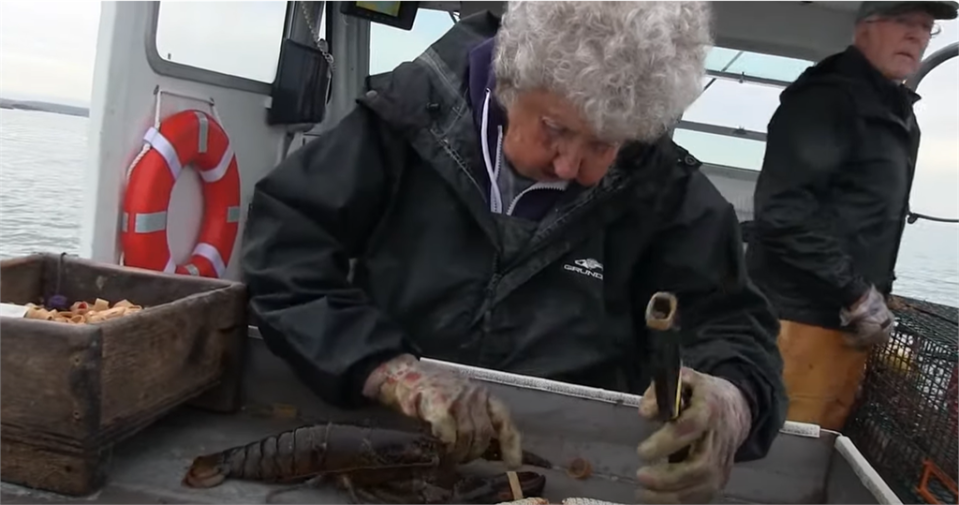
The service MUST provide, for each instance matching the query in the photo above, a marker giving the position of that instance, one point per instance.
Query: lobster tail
(206, 471)
(270, 459)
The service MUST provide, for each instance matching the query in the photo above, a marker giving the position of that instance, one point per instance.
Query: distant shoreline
(34, 105)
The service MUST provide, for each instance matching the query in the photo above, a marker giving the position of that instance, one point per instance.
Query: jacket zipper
(597, 201)
(487, 308)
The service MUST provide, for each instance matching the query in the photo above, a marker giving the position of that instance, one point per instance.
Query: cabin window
(735, 105)
(756, 65)
(722, 149)
(240, 39)
(391, 46)
(726, 125)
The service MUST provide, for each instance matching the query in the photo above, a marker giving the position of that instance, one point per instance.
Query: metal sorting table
(559, 422)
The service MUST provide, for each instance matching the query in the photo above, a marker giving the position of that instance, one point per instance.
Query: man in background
(831, 201)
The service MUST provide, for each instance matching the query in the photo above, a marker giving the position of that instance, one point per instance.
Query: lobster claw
(496, 489)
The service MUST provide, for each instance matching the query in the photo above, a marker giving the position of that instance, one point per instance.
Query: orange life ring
(188, 138)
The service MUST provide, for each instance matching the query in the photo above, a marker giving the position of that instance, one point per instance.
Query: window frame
(724, 131)
(432, 6)
(746, 78)
(721, 133)
(728, 131)
(298, 30)
(186, 72)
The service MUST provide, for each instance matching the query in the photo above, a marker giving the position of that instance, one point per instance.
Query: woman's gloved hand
(462, 413)
(870, 319)
(715, 422)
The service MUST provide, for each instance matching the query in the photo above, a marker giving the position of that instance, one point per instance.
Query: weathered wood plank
(180, 350)
(41, 468)
(21, 281)
(49, 376)
(88, 280)
(225, 396)
(70, 392)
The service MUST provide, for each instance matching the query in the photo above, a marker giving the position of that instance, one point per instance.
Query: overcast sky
(47, 52)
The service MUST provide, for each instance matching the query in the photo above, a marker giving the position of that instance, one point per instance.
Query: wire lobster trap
(905, 422)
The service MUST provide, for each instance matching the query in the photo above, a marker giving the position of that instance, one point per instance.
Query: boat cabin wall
(134, 85)
(132, 77)
(129, 86)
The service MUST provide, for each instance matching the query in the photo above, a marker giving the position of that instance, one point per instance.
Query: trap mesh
(906, 412)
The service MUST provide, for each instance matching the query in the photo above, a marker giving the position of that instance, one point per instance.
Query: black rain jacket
(832, 197)
(391, 187)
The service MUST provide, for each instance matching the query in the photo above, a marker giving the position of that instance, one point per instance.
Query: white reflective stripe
(165, 148)
(219, 171)
(192, 269)
(150, 222)
(170, 267)
(144, 223)
(213, 255)
(233, 215)
(201, 141)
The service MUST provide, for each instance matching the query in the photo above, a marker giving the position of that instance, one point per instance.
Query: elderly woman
(512, 199)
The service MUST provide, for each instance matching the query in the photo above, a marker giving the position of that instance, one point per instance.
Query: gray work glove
(870, 321)
(715, 422)
(461, 412)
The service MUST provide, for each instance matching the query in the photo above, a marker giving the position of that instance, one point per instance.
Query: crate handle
(930, 469)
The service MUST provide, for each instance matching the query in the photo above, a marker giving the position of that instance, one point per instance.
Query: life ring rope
(144, 226)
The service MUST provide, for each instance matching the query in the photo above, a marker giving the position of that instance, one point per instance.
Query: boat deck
(149, 468)
(558, 422)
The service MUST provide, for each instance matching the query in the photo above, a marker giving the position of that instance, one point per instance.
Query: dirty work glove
(870, 319)
(461, 412)
(715, 422)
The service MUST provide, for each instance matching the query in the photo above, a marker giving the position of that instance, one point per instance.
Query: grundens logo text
(586, 266)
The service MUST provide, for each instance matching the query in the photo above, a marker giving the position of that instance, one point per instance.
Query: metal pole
(934, 60)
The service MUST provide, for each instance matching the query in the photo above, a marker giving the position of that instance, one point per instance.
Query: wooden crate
(69, 392)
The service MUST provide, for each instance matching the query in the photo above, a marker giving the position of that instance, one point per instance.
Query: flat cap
(938, 10)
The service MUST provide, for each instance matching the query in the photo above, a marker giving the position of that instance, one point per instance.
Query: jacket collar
(855, 64)
(431, 90)
(427, 100)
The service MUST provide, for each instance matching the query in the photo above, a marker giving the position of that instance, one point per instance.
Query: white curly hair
(631, 68)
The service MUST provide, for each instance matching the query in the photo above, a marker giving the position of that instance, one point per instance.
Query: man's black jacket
(832, 197)
(391, 187)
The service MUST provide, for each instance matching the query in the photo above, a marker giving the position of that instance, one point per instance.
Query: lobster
(372, 464)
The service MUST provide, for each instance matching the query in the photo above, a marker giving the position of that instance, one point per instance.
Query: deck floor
(149, 467)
